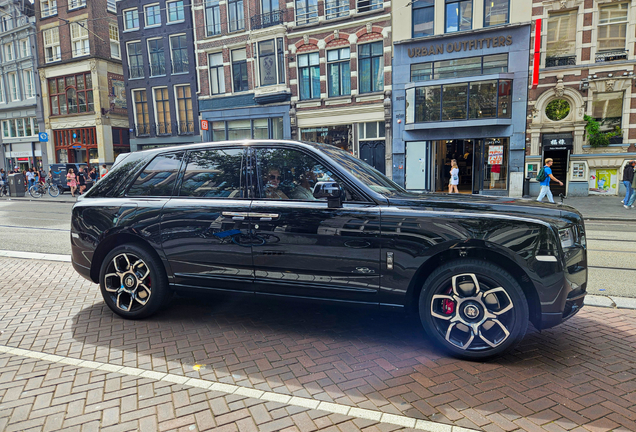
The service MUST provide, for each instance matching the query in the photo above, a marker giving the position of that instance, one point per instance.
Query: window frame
(51, 8)
(417, 6)
(507, 15)
(2, 98)
(78, 4)
(337, 9)
(170, 4)
(278, 58)
(114, 26)
(82, 38)
(24, 43)
(184, 168)
(572, 16)
(220, 78)
(188, 102)
(134, 11)
(156, 13)
(215, 7)
(152, 54)
(308, 17)
(239, 22)
(242, 64)
(434, 77)
(145, 111)
(146, 165)
(310, 67)
(168, 130)
(54, 46)
(29, 83)
(14, 90)
(341, 76)
(370, 58)
(459, 29)
(181, 49)
(607, 25)
(9, 52)
(137, 66)
(86, 91)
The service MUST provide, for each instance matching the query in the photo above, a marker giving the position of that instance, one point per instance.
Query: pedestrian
(545, 183)
(88, 179)
(632, 197)
(103, 171)
(628, 177)
(454, 177)
(16, 170)
(71, 181)
(81, 181)
(42, 175)
(36, 176)
(26, 182)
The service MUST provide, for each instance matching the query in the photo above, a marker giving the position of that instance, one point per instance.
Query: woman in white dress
(454, 177)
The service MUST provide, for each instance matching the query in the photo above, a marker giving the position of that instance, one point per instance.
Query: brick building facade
(585, 65)
(82, 82)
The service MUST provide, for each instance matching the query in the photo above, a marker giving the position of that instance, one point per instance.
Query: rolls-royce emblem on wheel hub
(129, 282)
(471, 311)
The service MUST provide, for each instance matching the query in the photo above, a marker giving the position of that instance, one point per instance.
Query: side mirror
(330, 190)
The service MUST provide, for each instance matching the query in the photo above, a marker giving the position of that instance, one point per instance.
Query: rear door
(205, 226)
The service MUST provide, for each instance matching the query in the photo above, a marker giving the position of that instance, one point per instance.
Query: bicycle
(4, 189)
(37, 190)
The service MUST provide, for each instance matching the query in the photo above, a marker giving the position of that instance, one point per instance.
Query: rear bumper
(84, 271)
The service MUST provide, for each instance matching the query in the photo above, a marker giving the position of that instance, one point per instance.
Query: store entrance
(559, 170)
(463, 151)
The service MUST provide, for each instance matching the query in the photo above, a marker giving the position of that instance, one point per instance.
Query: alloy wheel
(127, 281)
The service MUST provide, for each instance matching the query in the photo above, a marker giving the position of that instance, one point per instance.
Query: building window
(496, 163)
(6, 23)
(135, 60)
(271, 62)
(131, 19)
(142, 118)
(179, 48)
(8, 52)
(71, 94)
(25, 48)
(13, 86)
(612, 27)
(162, 105)
(561, 39)
(20, 127)
(496, 12)
(153, 15)
(459, 15)
(336, 9)
(79, 39)
(235, 12)
(212, 17)
(52, 45)
(111, 5)
(217, 75)
(607, 109)
(306, 12)
(309, 76)
(113, 34)
(423, 17)
(175, 11)
(184, 110)
(2, 98)
(239, 70)
(48, 8)
(74, 4)
(157, 57)
(262, 128)
(457, 68)
(371, 67)
(339, 72)
(369, 5)
(29, 85)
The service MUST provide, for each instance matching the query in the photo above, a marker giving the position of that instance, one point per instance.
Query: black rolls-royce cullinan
(286, 218)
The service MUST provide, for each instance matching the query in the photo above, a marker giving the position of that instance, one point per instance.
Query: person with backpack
(543, 177)
(628, 177)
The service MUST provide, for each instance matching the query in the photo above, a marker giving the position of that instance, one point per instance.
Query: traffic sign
(44, 137)
(77, 146)
(205, 125)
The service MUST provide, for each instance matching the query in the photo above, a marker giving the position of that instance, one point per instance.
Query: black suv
(284, 218)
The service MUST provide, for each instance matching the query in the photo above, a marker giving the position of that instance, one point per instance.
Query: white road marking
(302, 402)
(35, 256)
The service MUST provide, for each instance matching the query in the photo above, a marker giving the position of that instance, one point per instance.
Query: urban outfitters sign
(467, 45)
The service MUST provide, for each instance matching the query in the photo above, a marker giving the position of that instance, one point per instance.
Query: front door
(372, 152)
(205, 226)
(559, 170)
(300, 246)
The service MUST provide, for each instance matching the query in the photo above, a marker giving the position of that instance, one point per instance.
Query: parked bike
(36, 191)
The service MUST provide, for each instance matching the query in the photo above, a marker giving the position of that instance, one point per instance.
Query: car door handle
(264, 216)
(237, 216)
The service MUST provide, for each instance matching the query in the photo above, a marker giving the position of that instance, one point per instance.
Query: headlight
(567, 237)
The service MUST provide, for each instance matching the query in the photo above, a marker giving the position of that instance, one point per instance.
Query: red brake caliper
(448, 306)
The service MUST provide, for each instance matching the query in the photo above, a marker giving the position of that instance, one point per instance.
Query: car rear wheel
(133, 281)
(473, 309)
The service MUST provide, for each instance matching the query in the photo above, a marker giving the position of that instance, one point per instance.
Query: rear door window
(159, 177)
(214, 173)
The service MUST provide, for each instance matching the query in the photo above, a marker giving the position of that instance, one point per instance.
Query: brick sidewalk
(578, 374)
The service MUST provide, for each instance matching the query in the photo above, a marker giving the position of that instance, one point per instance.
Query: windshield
(368, 175)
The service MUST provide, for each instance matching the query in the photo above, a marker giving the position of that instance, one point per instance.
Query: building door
(372, 152)
(463, 151)
(420, 168)
(559, 170)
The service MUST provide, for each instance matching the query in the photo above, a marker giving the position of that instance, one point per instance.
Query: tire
(54, 191)
(469, 325)
(133, 281)
(35, 191)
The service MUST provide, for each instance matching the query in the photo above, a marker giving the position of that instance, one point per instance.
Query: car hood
(526, 208)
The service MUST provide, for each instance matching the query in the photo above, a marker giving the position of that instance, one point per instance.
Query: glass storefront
(339, 136)
(260, 128)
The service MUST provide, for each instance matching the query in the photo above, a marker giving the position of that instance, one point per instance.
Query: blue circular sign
(44, 137)
(74, 135)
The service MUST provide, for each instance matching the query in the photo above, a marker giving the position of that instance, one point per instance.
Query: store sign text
(467, 45)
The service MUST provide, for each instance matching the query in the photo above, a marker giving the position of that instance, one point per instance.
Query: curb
(39, 200)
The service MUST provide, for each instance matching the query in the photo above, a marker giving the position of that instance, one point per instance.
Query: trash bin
(16, 185)
(526, 187)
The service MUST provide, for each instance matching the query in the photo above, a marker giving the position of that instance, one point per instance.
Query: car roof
(245, 143)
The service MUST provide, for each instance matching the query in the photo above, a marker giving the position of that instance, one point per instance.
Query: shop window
(212, 17)
(561, 39)
(162, 107)
(336, 9)
(135, 60)
(217, 76)
(339, 136)
(277, 128)
(179, 54)
(71, 95)
(459, 15)
(423, 18)
(482, 102)
(239, 129)
(263, 128)
(79, 39)
(218, 131)
(607, 109)
(113, 34)
(496, 12)
(158, 178)
(496, 164)
(504, 99)
(157, 57)
(260, 128)
(213, 174)
(339, 72)
(142, 117)
(457, 68)
(371, 130)
(371, 67)
(236, 14)
(52, 51)
(48, 8)
(306, 12)
(309, 76)
(184, 110)
(612, 27)
(175, 11)
(131, 19)
(579, 171)
(239, 70)
(152, 14)
(270, 62)
(454, 101)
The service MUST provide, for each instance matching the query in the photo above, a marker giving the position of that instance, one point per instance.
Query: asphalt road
(38, 226)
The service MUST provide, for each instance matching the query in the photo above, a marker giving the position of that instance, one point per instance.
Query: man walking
(545, 184)
(628, 177)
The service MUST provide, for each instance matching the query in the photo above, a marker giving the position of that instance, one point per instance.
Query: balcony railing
(157, 69)
(180, 66)
(267, 19)
(142, 129)
(164, 128)
(308, 15)
(136, 71)
(336, 9)
(606, 56)
(560, 61)
(186, 128)
(369, 5)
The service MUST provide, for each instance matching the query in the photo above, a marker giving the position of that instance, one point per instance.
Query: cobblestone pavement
(580, 376)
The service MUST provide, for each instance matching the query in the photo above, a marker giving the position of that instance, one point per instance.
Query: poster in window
(495, 154)
(268, 70)
(118, 96)
(603, 181)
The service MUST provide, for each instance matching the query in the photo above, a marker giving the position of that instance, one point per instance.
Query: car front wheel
(133, 281)
(473, 309)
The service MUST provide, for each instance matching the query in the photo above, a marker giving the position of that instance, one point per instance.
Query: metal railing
(336, 9)
(308, 15)
(369, 5)
(267, 19)
(605, 56)
(157, 69)
(136, 71)
(142, 129)
(164, 129)
(560, 61)
(186, 128)
(180, 66)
